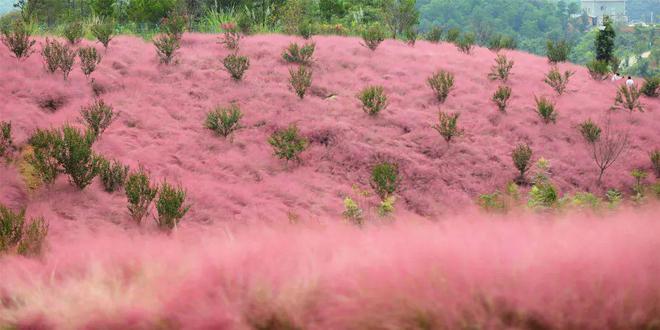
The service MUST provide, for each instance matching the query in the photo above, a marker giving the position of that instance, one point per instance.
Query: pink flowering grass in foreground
(475, 272)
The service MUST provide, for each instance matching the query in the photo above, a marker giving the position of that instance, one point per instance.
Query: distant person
(616, 77)
(630, 82)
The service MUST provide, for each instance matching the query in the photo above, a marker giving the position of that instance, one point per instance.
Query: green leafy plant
(44, 145)
(231, 36)
(614, 197)
(435, 34)
(628, 98)
(385, 179)
(6, 143)
(224, 121)
(654, 156)
(353, 212)
(466, 42)
(170, 206)
(501, 69)
(522, 156)
(501, 97)
(373, 99)
(113, 175)
(17, 38)
(373, 36)
(73, 32)
(598, 70)
(557, 81)
(557, 51)
(16, 234)
(104, 32)
(67, 59)
(74, 153)
(499, 42)
(442, 82)
(297, 54)
(51, 52)
(236, 65)
(140, 193)
(89, 59)
(590, 131)
(638, 187)
(546, 109)
(386, 206)
(288, 143)
(300, 80)
(97, 116)
(651, 87)
(411, 36)
(34, 235)
(543, 195)
(493, 202)
(453, 34)
(11, 228)
(447, 126)
(166, 47)
(604, 42)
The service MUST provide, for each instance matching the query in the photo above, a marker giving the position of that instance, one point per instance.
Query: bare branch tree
(607, 148)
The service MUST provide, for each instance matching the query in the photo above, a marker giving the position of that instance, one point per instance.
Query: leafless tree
(607, 148)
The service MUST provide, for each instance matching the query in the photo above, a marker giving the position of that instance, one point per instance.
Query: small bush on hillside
(75, 155)
(306, 29)
(373, 99)
(51, 52)
(499, 42)
(442, 82)
(466, 43)
(590, 131)
(89, 59)
(386, 206)
(638, 187)
(6, 143)
(614, 197)
(231, 37)
(435, 34)
(300, 80)
(598, 70)
(447, 126)
(67, 59)
(73, 32)
(581, 200)
(236, 65)
(301, 55)
(104, 32)
(373, 36)
(98, 116)
(546, 109)
(557, 81)
(543, 195)
(11, 228)
(34, 238)
(385, 179)
(288, 143)
(17, 38)
(411, 35)
(628, 98)
(501, 69)
(224, 121)
(651, 87)
(140, 193)
(557, 51)
(170, 206)
(493, 202)
(654, 156)
(113, 175)
(453, 34)
(501, 97)
(44, 145)
(26, 238)
(166, 47)
(353, 212)
(522, 156)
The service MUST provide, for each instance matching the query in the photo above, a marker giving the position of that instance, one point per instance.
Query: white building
(596, 9)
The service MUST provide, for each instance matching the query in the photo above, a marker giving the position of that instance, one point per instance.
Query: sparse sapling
(89, 59)
(288, 143)
(373, 99)
(97, 117)
(140, 193)
(501, 97)
(300, 80)
(236, 65)
(447, 126)
(170, 206)
(224, 121)
(442, 82)
(522, 156)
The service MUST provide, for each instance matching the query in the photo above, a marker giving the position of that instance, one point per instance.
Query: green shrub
(411, 36)
(557, 81)
(288, 143)
(51, 52)
(17, 38)
(170, 206)
(113, 176)
(97, 117)
(628, 98)
(301, 55)
(34, 238)
(614, 197)
(74, 153)
(224, 121)
(501, 69)
(638, 187)
(501, 97)
(546, 109)
(499, 42)
(231, 36)
(353, 212)
(386, 206)
(435, 34)
(557, 51)
(442, 82)
(466, 42)
(104, 32)
(598, 70)
(236, 65)
(543, 195)
(6, 143)
(89, 59)
(590, 131)
(11, 228)
(453, 34)
(654, 156)
(73, 32)
(373, 99)
(44, 149)
(306, 29)
(373, 36)
(385, 179)
(582, 200)
(521, 156)
(17, 235)
(447, 126)
(651, 87)
(300, 80)
(492, 202)
(140, 193)
(166, 47)
(67, 59)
